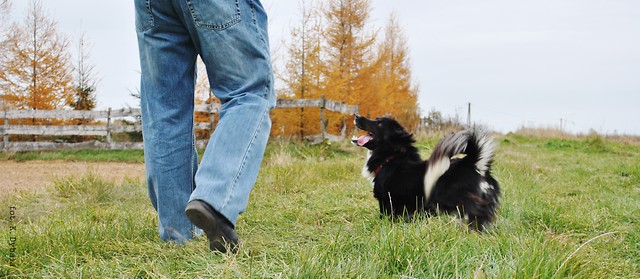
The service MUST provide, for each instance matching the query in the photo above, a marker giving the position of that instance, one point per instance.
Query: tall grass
(569, 210)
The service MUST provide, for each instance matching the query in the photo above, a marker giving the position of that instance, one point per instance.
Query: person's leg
(231, 37)
(167, 62)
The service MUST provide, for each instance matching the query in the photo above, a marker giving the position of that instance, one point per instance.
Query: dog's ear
(403, 134)
(400, 132)
(408, 135)
(396, 132)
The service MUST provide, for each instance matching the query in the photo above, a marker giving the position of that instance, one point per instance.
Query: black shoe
(220, 232)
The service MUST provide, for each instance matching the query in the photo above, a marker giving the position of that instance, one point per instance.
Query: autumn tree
(395, 92)
(85, 81)
(349, 49)
(335, 54)
(36, 72)
(303, 77)
(5, 9)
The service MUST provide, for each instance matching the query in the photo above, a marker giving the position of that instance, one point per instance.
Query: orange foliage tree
(303, 78)
(334, 54)
(396, 94)
(350, 53)
(36, 72)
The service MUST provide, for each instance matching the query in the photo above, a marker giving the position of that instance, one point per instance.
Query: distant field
(570, 209)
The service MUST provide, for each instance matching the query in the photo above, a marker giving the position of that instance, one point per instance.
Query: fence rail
(104, 123)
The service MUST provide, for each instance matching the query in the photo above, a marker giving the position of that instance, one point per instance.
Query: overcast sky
(519, 63)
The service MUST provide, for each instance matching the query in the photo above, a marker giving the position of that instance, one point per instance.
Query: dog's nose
(355, 119)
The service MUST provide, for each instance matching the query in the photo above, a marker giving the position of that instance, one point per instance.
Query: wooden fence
(105, 123)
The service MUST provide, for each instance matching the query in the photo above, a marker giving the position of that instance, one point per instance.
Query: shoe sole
(203, 218)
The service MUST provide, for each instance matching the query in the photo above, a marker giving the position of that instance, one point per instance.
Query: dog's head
(383, 131)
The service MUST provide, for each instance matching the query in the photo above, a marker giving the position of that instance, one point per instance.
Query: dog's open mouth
(363, 123)
(362, 140)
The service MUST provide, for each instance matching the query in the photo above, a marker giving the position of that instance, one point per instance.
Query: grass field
(570, 208)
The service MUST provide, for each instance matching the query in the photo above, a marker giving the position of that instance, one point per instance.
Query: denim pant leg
(167, 61)
(231, 37)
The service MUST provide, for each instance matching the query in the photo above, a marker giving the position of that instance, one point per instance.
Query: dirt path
(37, 175)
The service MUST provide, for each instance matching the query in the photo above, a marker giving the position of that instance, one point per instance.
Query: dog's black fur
(455, 180)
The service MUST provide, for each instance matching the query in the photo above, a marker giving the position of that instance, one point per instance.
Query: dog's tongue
(363, 140)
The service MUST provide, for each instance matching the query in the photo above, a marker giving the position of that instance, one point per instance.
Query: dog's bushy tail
(474, 145)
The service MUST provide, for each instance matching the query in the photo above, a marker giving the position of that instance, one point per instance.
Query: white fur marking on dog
(485, 187)
(434, 172)
(449, 148)
(365, 169)
(487, 148)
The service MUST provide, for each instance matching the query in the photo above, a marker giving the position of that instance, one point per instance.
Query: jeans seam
(193, 179)
(193, 153)
(264, 45)
(255, 23)
(150, 23)
(244, 160)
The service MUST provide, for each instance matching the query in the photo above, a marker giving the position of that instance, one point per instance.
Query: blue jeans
(231, 37)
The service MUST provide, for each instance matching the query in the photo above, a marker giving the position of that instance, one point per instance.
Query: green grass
(84, 155)
(570, 209)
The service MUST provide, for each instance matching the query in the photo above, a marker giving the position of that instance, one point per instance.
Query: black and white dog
(455, 180)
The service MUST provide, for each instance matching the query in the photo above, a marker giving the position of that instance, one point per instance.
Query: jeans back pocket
(214, 14)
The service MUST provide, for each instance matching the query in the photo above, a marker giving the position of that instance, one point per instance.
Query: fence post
(355, 112)
(212, 119)
(323, 128)
(5, 136)
(109, 126)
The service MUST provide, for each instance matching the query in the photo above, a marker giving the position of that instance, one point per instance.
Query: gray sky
(518, 63)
